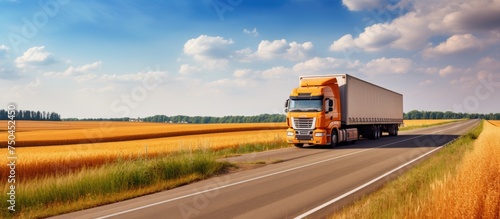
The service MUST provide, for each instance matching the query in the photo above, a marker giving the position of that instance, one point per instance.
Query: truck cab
(314, 113)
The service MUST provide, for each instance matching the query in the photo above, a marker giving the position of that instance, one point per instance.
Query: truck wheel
(393, 130)
(379, 132)
(299, 145)
(334, 139)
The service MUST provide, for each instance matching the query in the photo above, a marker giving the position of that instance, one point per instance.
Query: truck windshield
(305, 105)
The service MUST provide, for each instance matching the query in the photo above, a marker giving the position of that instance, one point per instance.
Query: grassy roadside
(48, 196)
(411, 127)
(401, 196)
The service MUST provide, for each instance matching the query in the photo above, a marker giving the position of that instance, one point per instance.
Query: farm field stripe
(269, 175)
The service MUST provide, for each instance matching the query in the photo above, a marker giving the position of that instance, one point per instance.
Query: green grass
(400, 196)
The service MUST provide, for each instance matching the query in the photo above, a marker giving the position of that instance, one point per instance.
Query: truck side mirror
(330, 105)
(286, 105)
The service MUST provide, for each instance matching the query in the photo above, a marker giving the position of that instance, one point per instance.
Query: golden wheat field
(420, 122)
(37, 133)
(475, 191)
(495, 122)
(93, 151)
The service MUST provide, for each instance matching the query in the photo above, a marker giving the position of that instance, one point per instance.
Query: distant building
(136, 120)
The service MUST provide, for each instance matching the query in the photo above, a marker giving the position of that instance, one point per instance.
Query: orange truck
(330, 109)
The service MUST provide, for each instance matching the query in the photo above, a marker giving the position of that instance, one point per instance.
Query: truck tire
(378, 131)
(334, 139)
(393, 130)
(299, 145)
(374, 132)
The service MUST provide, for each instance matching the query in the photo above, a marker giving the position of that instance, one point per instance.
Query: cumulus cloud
(358, 5)
(188, 69)
(275, 72)
(474, 15)
(387, 66)
(253, 32)
(208, 47)
(211, 52)
(83, 69)
(346, 42)
(85, 77)
(373, 38)
(137, 77)
(448, 70)
(455, 44)
(278, 49)
(423, 20)
(3, 50)
(34, 84)
(240, 73)
(377, 36)
(227, 83)
(324, 65)
(426, 82)
(35, 56)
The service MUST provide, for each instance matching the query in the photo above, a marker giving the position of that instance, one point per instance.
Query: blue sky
(241, 57)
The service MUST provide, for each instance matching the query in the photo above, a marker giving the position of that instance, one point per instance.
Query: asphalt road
(296, 183)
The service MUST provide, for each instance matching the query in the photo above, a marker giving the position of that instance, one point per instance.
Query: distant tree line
(31, 115)
(262, 118)
(416, 114)
(99, 119)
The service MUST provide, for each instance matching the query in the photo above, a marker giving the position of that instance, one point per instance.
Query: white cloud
(276, 72)
(346, 42)
(241, 73)
(83, 69)
(279, 49)
(377, 36)
(253, 32)
(327, 65)
(211, 52)
(358, 5)
(473, 16)
(228, 83)
(3, 50)
(208, 47)
(105, 89)
(455, 44)
(141, 76)
(426, 82)
(186, 69)
(423, 20)
(85, 77)
(35, 56)
(33, 84)
(373, 38)
(387, 66)
(448, 70)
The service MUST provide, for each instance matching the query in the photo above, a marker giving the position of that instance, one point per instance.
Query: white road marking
(265, 176)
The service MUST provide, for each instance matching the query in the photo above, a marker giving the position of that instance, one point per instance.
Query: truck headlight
(289, 133)
(319, 134)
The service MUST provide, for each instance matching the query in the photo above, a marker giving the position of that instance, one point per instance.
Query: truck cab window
(306, 105)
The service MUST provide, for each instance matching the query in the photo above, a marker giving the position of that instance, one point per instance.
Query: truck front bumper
(304, 136)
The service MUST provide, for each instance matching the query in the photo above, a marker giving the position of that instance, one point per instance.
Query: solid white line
(370, 182)
(260, 177)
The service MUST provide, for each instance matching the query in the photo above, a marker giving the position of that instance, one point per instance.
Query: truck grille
(304, 123)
